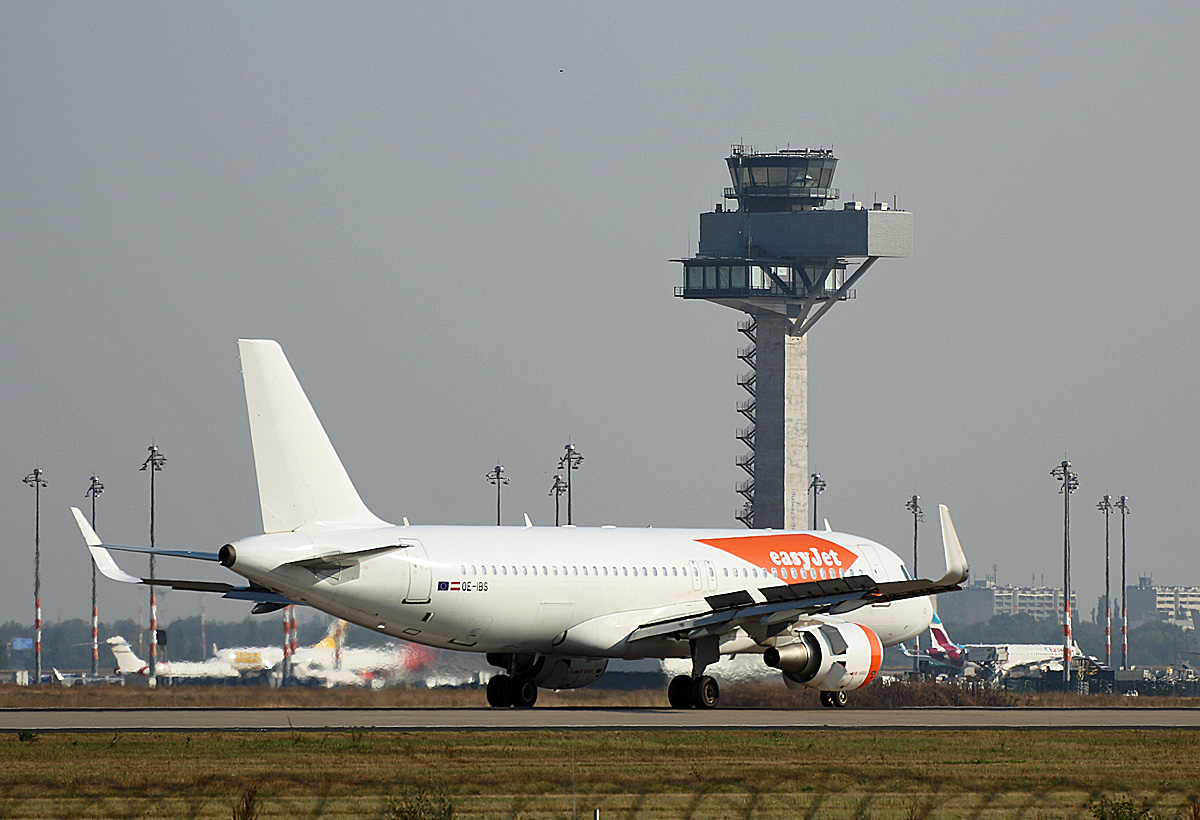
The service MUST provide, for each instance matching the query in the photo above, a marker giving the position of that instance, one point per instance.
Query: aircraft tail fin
(941, 638)
(128, 663)
(301, 480)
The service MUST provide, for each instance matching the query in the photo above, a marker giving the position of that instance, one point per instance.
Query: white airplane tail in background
(301, 480)
(127, 662)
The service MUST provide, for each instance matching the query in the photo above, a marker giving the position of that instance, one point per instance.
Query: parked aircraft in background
(549, 605)
(942, 651)
(215, 669)
(991, 661)
(78, 678)
(326, 663)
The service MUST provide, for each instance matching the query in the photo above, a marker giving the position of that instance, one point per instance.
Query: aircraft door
(696, 582)
(711, 572)
(420, 575)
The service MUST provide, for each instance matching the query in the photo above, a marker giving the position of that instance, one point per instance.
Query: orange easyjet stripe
(876, 653)
(814, 558)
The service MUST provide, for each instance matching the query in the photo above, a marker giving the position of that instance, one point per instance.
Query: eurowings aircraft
(552, 605)
(942, 651)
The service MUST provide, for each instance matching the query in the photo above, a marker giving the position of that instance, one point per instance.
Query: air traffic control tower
(785, 257)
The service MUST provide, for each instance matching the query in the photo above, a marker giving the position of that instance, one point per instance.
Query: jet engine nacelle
(830, 657)
(569, 673)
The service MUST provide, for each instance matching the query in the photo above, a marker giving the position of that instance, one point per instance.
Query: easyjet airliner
(552, 605)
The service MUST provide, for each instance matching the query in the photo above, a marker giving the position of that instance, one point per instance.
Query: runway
(574, 719)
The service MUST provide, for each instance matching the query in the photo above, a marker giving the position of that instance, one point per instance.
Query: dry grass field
(535, 775)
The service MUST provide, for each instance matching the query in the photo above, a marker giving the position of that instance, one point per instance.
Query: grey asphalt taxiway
(576, 719)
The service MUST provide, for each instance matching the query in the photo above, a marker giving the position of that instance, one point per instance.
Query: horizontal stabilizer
(197, 555)
(109, 569)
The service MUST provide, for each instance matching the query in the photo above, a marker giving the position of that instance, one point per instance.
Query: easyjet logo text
(808, 559)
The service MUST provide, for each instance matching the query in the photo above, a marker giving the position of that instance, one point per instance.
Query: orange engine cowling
(830, 657)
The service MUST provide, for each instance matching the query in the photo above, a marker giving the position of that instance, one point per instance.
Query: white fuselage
(563, 590)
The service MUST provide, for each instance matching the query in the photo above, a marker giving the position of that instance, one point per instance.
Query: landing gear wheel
(524, 692)
(705, 692)
(499, 691)
(679, 692)
(838, 699)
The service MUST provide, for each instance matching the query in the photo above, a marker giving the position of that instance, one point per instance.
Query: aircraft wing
(787, 602)
(109, 569)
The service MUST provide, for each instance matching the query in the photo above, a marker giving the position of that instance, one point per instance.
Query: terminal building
(1148, 602)
(983, 601)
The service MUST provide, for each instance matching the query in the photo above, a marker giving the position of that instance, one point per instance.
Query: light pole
(816, 486)
(93, 492)
(36, 481)
(496, 476)
(1070, 483)
(918, 515)
(1106, 506)
(557, 489)
(153, 464)
(570, 461)
(1123, 505)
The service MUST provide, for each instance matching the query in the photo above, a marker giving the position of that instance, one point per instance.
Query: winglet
(956, 560)
(103, 558)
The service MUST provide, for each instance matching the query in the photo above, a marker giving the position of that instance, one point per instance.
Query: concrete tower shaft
(781, 425)
(784, 259)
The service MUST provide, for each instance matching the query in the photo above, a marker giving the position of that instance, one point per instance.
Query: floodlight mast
(36, 480)
(496, 476)
(918, 515)
(153, 464)
(93, 492)
(784, 258)
(1123, 505)
(816, 485)
(1106, 506)
(557, 489)
(570, 461)
(1070, 483)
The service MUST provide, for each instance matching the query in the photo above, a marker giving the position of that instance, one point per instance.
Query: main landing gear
(837, 699)
(685, 692)
(519, 691)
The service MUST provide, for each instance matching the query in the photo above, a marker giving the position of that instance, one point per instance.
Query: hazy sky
(458, 219)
